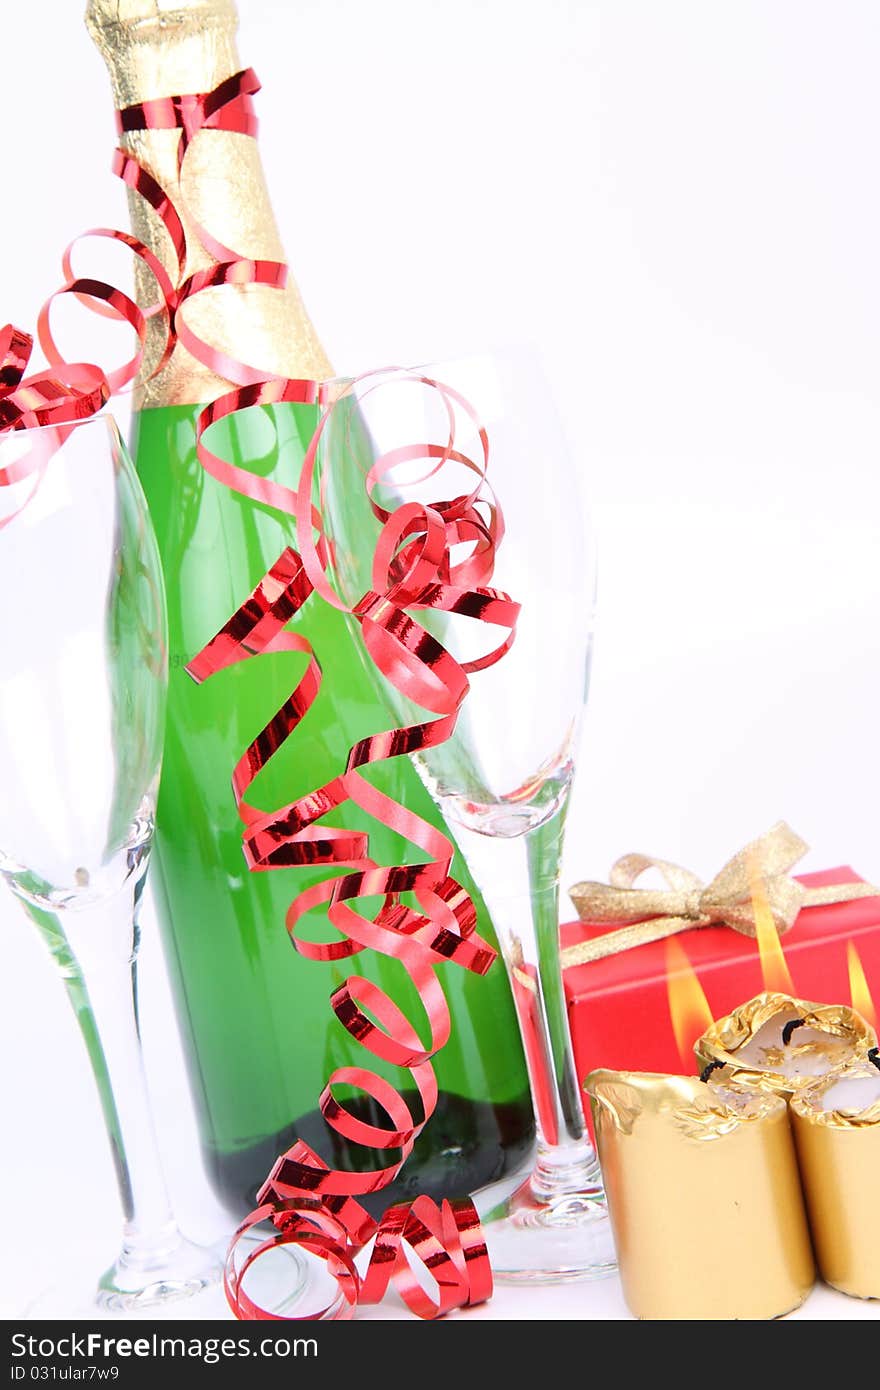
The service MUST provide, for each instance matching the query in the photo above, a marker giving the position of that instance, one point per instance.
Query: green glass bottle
(259, 1033)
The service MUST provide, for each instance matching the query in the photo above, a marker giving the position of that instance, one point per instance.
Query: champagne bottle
(258, 1030)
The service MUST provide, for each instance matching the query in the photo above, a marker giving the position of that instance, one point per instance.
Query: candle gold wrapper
(839, 1155)
(826, 1036)
(704, 1197)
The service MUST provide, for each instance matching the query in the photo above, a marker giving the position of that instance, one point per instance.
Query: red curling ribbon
(446, 1239)
(411, 571)
(229, 108)
(59, 397)
(308, 1203)
(15, 351)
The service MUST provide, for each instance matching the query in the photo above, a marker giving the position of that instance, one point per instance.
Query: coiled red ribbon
(309, 1204)
(62, 397)
(313, 1206)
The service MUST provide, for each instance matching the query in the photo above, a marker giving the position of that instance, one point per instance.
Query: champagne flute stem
(543, 850)
(95, 946)
(519, 881)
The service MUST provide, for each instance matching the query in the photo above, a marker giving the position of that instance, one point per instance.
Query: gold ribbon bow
(687, 902)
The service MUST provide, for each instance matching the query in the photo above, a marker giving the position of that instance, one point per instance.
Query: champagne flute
(83, 672)
(503, 780)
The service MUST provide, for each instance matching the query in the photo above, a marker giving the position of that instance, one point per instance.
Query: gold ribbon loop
(686, 902)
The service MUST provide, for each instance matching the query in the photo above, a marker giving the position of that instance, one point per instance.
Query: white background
(679, 203)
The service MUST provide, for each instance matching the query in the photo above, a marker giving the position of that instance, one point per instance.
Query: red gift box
(618, 1007)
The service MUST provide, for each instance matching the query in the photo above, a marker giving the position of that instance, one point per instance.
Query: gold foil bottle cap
(777, 1043)
(104, 14)
(154, 48)
(704, 1197)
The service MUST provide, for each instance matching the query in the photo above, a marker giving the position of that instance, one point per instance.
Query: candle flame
(774, 966)
(859, 993)
(688, 1006)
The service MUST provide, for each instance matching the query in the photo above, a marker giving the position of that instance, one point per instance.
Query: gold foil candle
(780, 1044)
(704, 1197)
(836, 1124)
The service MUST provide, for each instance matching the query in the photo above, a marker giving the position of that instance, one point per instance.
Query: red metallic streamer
(59, 399)
(309, 1204)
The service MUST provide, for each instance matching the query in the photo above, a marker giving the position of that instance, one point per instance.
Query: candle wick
(712, 1066)
(874, 1056)
(789, 1029)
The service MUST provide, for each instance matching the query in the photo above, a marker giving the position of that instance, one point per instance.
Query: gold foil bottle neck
(156, 48)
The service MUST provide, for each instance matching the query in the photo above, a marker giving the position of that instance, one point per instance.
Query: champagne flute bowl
(503, 779)
(83, 672)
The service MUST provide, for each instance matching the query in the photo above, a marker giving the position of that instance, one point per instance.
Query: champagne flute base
(144, 1280)
(289, 1283)
(559, 1240)
(188, 1286)
(73, 1301)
